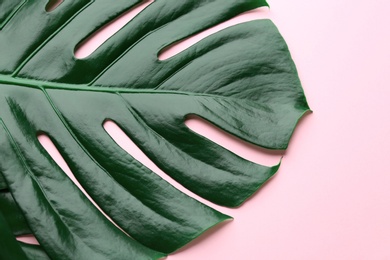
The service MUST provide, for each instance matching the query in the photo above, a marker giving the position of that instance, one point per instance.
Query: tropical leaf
(241, 79)
(12, 214)
(33, 252)
(9, 247)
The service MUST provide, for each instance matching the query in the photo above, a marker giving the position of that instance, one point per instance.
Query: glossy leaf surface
(12, 214)
(241, 79)
(34, 252)
(9, 247)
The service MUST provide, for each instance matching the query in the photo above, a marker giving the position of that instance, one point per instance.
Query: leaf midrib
(38, 84)
(76, 139)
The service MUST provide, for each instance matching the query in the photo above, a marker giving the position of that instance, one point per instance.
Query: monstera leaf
(241, 79)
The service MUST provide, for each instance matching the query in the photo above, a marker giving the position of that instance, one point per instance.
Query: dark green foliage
(241, 79)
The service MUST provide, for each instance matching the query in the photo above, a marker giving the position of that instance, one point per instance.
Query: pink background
(331, 196)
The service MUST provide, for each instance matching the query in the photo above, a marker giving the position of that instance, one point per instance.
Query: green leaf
(62, 223)
(3, 184)
(9, 247)
(7, 9)
(242, 79)
(34, 252)
(12, 214)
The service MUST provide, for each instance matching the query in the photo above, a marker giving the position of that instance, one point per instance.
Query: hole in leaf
(177, 47)
(124, 141)
(128, 145)
(52, 5)
(28, 239)
(243, 149)
(94, 41)
(52, 150)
